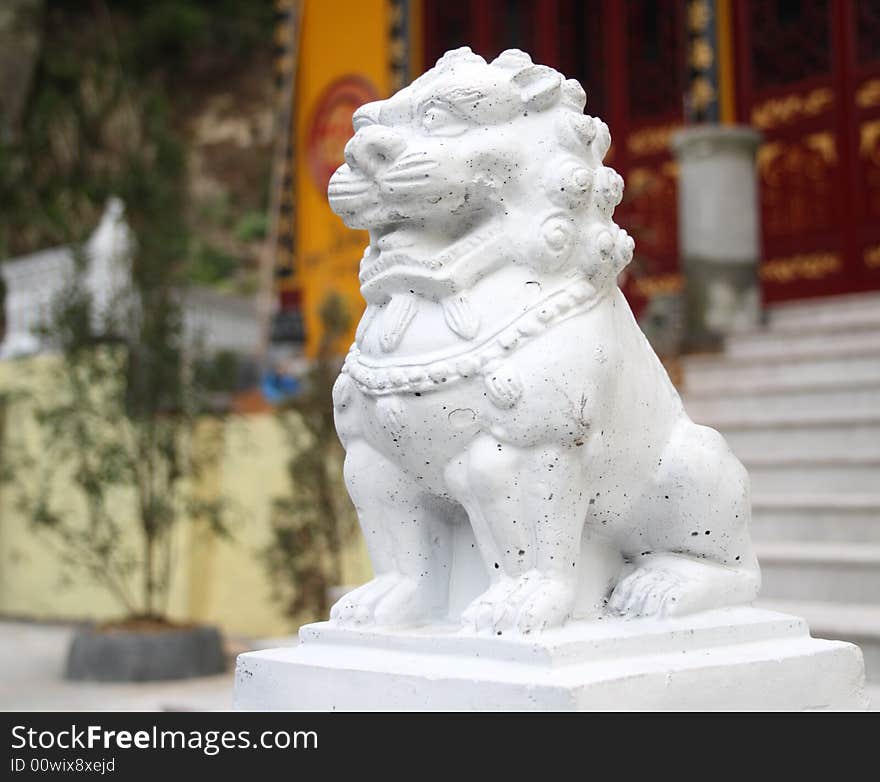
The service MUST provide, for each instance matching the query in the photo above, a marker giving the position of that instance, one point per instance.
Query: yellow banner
(343, 63)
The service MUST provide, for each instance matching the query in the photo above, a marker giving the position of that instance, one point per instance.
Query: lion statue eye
(439, 120)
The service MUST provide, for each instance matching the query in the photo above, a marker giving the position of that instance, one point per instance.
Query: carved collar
(380, 379)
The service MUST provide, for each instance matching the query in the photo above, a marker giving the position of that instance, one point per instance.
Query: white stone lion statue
(516, 452)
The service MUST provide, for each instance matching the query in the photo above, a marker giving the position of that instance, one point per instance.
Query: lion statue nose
(373, 148)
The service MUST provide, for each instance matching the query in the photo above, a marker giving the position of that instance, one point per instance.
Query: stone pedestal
(719, 231)
(726, 659)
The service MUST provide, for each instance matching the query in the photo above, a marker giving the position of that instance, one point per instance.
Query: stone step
(859, 436)
(856, 398)
(817, 518)
(828, 321)
(832, 311)
(820, 571)
(721, 373)
(735, 419)
(799, 475)
(771, 345)
(853, 622)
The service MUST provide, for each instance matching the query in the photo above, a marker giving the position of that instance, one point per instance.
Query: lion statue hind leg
(699, 553)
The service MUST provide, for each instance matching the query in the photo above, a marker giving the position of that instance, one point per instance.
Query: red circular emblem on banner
(330, 128)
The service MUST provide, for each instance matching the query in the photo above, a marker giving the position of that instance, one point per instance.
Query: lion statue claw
(515, 450)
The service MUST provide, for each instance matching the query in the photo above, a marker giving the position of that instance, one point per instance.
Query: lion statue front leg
(408, 541)
(526, 508)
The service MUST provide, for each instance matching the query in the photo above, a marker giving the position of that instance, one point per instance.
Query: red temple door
(864, 130)
(807, 77)
(629, 57)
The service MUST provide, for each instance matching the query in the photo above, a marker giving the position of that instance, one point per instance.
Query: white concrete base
(730, 659)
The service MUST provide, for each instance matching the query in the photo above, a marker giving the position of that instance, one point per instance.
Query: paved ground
(32, 660)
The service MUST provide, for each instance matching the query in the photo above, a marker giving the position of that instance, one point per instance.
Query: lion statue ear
(540, 86)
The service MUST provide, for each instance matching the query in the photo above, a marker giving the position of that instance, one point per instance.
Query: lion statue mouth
(397, 202)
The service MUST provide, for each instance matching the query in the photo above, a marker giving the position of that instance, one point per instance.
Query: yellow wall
(216, 580)
(339, 39)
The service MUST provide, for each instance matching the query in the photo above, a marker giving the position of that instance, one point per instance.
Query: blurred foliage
(120, 416)
(122, 423)
(252, 225)
(109, 115)
(312, 525)
(170, 33)
(114, 77)
(219, 372)
(208, 264)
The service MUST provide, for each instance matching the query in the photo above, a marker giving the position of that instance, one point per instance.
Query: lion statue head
(470, 148)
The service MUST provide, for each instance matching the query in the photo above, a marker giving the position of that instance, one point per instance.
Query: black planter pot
(120, 655)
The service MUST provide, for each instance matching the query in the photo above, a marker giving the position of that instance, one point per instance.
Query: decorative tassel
(396, 319)
(460, 316)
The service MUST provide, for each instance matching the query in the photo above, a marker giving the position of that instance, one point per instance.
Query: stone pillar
(719, 231)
